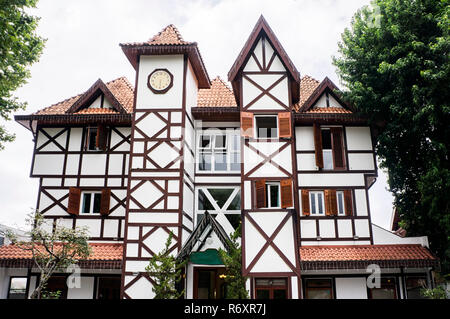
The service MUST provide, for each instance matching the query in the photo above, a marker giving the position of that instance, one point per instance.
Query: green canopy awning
(207, 257)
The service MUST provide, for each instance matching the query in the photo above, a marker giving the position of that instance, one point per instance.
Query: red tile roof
(167, 36)
(100, 252)
(334, 110)
(307, 86)
(219, 95)
(407, 254)
(121, 89)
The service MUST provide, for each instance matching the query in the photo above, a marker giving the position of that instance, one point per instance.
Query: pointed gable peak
(168, 36)
(262, 28)
(96, 90)
(326, 86)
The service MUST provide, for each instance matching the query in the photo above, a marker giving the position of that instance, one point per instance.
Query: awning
(207, 257)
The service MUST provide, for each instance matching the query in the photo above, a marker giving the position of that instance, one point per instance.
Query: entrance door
(208, 283)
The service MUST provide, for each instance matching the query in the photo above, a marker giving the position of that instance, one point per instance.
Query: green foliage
(51, 294)
(20, 47)
(435, 293)
(165, 270)
(232, 259)
(52, 250)
(396, 70)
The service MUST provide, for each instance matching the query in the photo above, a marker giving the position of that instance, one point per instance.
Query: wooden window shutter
(260, 189)
(318, 145)
(286, 193)
(246, 124)
(104, 203)
(348, 202)
(330, 202)
(100, 140)
(305, 202)
(284, 124)
(338, 149)
(73, 207)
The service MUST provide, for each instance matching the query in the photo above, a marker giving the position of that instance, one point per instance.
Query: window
(91, 202)
(219, 151)
(273, 195)
(96, 138)
(271, 288)
(414, 285)
(387, 290)
(2, 240)
(218, 199)
(318, 289)
(17, 288)
(327, 149)
(340, 203)
(266, 126)
(316, 201)
(92, 139)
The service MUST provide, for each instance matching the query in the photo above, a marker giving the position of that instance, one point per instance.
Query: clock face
(160, 81)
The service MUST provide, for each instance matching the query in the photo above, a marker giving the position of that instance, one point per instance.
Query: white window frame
(91, 207)
(215, 151)
(256, 127)
(316, 201)
(268, 193)
(340, 194)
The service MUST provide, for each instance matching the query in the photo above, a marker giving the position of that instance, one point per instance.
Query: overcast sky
(83, 39)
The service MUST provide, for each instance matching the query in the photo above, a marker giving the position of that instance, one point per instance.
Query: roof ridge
(310, 77)
(167, 30)
(223, 82)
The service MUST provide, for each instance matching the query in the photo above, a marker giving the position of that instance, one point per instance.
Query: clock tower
(160, 201)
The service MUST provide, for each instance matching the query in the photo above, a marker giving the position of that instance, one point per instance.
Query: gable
(263, 53)
(264, 58)
(327, 100)
(208, 228)
(95, 97)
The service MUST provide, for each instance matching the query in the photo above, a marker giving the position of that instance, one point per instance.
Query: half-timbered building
(277, 154)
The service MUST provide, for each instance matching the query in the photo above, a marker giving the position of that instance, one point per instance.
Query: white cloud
(83, 45)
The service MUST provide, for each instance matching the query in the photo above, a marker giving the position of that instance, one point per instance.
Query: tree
(19, 48)
(394, 62)
(165, 270)
(52, 250)
(232, 259)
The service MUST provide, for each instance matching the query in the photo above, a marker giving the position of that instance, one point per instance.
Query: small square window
(91, 202)
(205, 142)
(220, 142)
(266, 126)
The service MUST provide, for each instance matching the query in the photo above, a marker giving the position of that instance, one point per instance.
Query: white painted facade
(158, 185)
